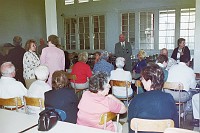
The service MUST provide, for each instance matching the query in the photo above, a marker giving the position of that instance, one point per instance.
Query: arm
(174, 54)
(43, 57)
(63, 61)
(123, 107)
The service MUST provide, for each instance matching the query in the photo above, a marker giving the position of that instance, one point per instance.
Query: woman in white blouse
(30, 62)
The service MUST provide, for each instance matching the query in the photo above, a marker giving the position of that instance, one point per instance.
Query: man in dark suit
(15, 56)
(123, 49)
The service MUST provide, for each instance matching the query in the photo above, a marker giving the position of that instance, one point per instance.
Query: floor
(184, 124)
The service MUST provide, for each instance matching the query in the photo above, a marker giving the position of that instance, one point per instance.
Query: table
(13, 122)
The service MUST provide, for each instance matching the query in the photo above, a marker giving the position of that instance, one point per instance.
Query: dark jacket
(153, 104)
(186, 53)
(64, 99)
(139, 66)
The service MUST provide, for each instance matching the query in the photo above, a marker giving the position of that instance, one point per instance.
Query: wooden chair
(73, 78)
(138, 84)
(31, 101)
(105, 117)
(179, 87)
(119, 83)
(148, 125)
(178, 130)
(16, 102)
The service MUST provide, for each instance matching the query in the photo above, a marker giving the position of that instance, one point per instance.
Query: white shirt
(183, 74)
(170, 63)
(30, 62)
(37, 90)
(120, 74)
(10, 88)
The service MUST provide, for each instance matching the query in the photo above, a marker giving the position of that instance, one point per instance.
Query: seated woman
(39, 87)
(153, 104)
(120, 74)
(82, 72)
(162, 61)
(97, 57)
(62, 97)
(137, 68)
(99, 102)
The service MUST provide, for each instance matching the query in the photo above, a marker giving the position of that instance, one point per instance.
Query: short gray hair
(120, 62)
(7, 68)
(42, 72)
(104, 55)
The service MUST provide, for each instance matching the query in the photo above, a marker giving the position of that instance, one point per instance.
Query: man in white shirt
(184, 74)
(9, 87)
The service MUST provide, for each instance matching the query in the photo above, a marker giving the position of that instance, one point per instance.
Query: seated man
(10, 88)
(103, 65)
(185, 75)
(39, 87)
(171, 61)
(195, 106)
(162, 62)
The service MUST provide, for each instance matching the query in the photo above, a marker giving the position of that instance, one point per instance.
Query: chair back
(16, 102)
(138, 84)
(105, 117)
(148, 125)
(31, 101)
(178, 130)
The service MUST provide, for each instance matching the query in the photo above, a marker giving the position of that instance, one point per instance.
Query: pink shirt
(82, 72)
(54, 59)
(92, 106)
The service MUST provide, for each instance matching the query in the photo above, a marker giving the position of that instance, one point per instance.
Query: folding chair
(16, 102)
(179, 87)
(31, 101)
(148, 125)
(178, 130)
(126, 84)
(105, 117)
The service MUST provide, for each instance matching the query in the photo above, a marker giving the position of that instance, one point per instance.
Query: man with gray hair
(103, 65)
(15, 56)
(9, 86)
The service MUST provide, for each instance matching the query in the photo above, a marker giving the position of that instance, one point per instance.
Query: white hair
(7, 69)
(120, 62)
(42, 72)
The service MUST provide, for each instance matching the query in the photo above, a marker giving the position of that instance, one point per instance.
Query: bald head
(121, 38)
(164, 51)
(8, 69)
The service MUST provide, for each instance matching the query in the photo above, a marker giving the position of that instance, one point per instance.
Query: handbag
(48, 119)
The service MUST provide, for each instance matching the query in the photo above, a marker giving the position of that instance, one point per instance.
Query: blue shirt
(153, 104)
(103, 66)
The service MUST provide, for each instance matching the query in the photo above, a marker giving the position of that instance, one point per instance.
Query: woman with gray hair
(82, 72)
(39, 87)
(122, 75)
(103, 65)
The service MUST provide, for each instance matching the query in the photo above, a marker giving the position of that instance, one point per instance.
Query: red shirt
(82, 72)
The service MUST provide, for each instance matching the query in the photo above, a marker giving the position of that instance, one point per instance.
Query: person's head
(104, 55)
(152, 77)
(141, 54)
(17, 41)
(122, 38)
(42, 42)
(120, 62)
(30, 45)
(164, 51)
(163, 59)
(53, 39)
(185, 60)
(99, 83)
(42, 72)
(83, 57)
(59, 80)
(181, 42)
(8, 69)
(97, 55)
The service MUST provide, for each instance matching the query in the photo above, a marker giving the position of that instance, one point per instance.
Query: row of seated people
(97, 101)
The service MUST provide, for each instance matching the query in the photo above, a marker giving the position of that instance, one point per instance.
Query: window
(85, 33)
(166, 29)
(128, 27)
(146, 30)
(82, 1)
(99, 32)
(69, 2)
(187, 26)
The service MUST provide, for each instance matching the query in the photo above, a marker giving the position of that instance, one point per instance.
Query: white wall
(25, 18)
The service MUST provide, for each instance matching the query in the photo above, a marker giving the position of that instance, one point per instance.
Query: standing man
(123, 49)
(41, 46)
